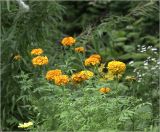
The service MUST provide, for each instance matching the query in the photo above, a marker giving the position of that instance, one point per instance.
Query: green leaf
(136, 56)
(120, 39)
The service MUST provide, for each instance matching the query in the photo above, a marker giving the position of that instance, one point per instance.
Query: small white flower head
(23, 6)
(131, 63)
(146, 67)
(154, 49)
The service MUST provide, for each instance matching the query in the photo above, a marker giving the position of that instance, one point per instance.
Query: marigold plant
(37, 51)
(50, 75)
(68, 41)
(60, 84)
(116, 67)
(40, 60)
(61, 80)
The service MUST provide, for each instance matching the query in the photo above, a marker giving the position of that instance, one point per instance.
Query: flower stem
(116, 87)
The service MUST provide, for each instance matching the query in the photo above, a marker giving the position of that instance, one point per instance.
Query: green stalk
(116, 87)
(63, 94)
(81, 59)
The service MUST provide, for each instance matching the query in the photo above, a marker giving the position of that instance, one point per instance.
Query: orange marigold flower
(79, 49)
(91, 61)
(50, 75)
(82, 76)
(104, 90)
(40, 60)
(96, 56)
(38, 51)
(61, 80)
(77, 77)
(68, 41)
(17, 57)
(116, 67)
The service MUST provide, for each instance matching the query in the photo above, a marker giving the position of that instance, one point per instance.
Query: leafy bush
(114, 30)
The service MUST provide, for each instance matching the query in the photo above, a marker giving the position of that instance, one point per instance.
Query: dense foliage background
(120, 30)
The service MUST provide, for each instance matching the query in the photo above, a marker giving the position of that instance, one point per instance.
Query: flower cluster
(68, 41)
(93, 60)
(37, 51)
(57, 76)
(80, 49)
(25, 125)
(40, 60)
(104, 90)
(116, 67)
(82, 76)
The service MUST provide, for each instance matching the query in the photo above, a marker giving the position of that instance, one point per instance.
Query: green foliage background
(114, 29)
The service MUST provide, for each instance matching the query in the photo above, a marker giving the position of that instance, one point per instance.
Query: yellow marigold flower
(52, 73)
(61, 80)
(96, 56)
(107, 75)
(25, 125)
(91, 61)
(82, 76)
(116, 67)
(17, 57)
(89, 74)
(68, 41)
(40, 60)
(38, 51)
(104, 90)
(79, 49)
(130, 78)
